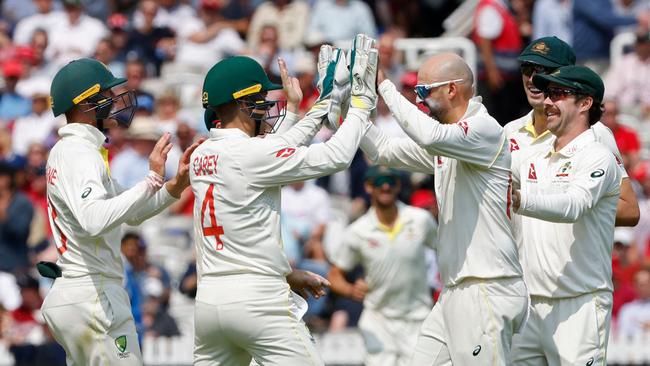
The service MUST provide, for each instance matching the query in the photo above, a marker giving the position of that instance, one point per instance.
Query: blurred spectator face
(43, 6)
(642, 46)
(12, 70)
(135, 74)
(130, 249)
(210, 11)
(36, 155)
(40, 104)
(39, 44)
(269, 35)
(642, 284)
(5, 181)
(168, 106)
(383, 191)
(386, 50)
(185, 135)
(149, 9)
(118, 25)
(105, 51)
(74, 12)
(609, 115)
(167, 3)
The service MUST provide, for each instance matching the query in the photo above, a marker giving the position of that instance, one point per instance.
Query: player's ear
(584, 104)
(368, 187)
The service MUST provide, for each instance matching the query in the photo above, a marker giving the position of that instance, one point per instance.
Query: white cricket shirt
(471, 164)
(86, 207)
(393, 260)
(236, 181)
(569, 201)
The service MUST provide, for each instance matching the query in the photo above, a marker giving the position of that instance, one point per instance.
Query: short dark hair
(130, 236)
(596, 109)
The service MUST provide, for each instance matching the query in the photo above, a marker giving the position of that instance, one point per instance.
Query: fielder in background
(484, 301)
(544, 56)
(390, 242)
(245, 308)
(87, 309)
(568, 193)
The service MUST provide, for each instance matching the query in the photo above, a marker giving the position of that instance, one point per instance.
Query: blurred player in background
(87, 309)
(484, 301)
(244, 307)
(568, 195)
(390, 242)
(544, 56)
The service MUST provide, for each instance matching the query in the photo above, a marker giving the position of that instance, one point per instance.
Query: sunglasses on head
(528, 68)
(555, 94)
(423, 90)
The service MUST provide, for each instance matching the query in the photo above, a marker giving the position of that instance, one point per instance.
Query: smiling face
(533, 94)
(562, 107)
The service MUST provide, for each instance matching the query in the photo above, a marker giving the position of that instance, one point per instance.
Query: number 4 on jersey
(214, 229)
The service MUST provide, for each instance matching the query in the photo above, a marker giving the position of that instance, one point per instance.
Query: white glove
(363, 73)
(327, 64)
(340, 96)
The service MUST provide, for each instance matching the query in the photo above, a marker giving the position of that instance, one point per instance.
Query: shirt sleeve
(606, 137)
(152, 207)
(80, 184)
(347, 255)
(302, 132)
(474, 140)
(400, 153)
(594, 179)
(276, 162)
(431, 228)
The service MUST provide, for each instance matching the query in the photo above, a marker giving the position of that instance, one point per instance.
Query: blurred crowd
(164, 47)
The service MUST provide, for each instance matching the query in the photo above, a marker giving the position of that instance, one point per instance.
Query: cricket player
(390, 242)
(543, 56)
(244, 307)
(87, 309)
(568, 194)
(484, 301)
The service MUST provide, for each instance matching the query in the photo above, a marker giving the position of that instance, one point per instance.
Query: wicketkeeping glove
(327, 60)
(363, 72)
(340, 96)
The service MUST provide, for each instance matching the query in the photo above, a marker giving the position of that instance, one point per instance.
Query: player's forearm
(562, 208)
(302, 132)
(424, 130)
(400, 153)
(153, 206)
(627, 210)
(339, 285)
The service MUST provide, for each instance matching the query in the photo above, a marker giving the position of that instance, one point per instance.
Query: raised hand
(158, 156)
(363, 72)
(291, 87)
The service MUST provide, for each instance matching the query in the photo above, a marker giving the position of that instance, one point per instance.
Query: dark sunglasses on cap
(528, 68)
(555, 94)
(423, 90)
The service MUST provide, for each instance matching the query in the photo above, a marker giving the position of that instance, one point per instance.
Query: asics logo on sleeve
(597, 173)
(86, 192)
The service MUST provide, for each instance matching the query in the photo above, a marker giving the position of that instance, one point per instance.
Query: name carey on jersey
(205, 165)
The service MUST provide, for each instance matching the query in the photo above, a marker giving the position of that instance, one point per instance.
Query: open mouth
(533, 90)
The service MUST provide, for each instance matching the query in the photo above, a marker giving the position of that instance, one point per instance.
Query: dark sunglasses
(555, 94)
(528, 68)
(381, 180)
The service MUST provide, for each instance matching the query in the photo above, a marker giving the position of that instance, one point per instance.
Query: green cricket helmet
(83, 82)
(243, 80)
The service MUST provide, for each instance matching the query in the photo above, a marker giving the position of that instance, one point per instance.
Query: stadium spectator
(9, 293)
(634, 318)
(166, 112)
(40, 66)
(44, 18)
(341, 20)
(594, 22)
(407, 84)
(553, 18)
(185, 137)
(268, 50)
(389, 59)
(6, 153)
(305, 69)
(626, 138)
(118, 25)
(626, 80)
(13, 105)
(289, 17)
(75, 35)
(149, 43)
(16, 214)
(131, 165)
(642, 229)
(39, 124)
(386, 121)
(499, 42)
(106, 53)
(203, 42)
(625, 263)
(171, 13)
(189, 281)
(129, 247)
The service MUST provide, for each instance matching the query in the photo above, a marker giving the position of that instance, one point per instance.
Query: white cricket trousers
(389, 341)
(244, 317)
(566, 331)
(473, 324)
(91, 318)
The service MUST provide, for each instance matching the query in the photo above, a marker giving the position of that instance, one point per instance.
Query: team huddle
(523, 240)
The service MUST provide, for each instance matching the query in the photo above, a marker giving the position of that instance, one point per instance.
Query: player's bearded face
(560, 112)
